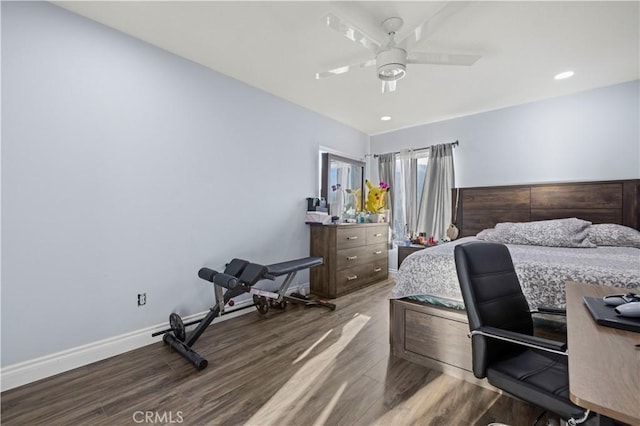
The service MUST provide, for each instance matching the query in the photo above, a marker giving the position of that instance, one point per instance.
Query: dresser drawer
(353, 277)
(348, 237)
(378, 251)
(360, 275)
(347, 258)
(377, 234)
(379, 270)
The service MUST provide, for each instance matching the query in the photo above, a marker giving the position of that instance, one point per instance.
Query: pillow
(485, 234)
(571, 232)
(610, 234)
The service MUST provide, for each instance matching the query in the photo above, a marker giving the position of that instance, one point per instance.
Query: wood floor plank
(301, 366)
(338, 379)
(22, 398)
(355, 402)
(52, 411)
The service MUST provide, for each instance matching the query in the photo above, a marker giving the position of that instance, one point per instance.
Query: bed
(428, 324)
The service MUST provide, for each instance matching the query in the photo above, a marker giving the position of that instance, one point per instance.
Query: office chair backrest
(493, 297)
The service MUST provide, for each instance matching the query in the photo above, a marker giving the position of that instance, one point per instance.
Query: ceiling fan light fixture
(392, 64)
(391, 72)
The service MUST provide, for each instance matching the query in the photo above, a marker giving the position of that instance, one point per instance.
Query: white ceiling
(279, 46)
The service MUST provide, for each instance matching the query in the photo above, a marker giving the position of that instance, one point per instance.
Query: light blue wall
(592, 135)
(125, 169)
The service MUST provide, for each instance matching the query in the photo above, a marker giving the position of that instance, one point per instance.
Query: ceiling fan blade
(429, 26)
(352, 33)
(389, 86)
(344, 69)
(441, 58)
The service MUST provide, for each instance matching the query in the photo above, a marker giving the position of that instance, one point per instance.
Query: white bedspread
(542, 271)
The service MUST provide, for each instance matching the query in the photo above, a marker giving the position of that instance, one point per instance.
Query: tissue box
(317, 217)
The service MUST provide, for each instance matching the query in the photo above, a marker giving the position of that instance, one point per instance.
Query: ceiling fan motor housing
(392, 64)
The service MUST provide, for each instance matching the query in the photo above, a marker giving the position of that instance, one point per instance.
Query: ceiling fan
(392, 58)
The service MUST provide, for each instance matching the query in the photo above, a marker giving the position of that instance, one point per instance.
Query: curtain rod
(453, 144)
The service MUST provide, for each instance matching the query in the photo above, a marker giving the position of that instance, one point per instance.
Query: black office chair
(504, 349)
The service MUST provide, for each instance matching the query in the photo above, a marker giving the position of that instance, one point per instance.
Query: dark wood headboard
(598, 202)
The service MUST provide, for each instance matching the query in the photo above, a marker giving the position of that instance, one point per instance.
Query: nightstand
(404, 251)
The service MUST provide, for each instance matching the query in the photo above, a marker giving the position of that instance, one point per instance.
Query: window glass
(399, 197)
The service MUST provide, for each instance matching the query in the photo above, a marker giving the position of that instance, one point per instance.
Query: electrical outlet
(142, 299)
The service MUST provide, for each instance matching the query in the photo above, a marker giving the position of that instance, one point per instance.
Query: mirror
(342, 184)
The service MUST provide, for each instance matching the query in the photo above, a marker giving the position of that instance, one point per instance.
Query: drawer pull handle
(377, 235)
(377, 270)
(351, 278)
(377, 252)
(353, 237)
(352, 257)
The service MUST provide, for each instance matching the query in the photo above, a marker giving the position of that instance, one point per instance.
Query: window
(400, 197)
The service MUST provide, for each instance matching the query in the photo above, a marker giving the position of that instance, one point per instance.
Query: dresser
(355, 256)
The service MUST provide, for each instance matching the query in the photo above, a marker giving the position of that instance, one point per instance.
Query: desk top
(604, 365)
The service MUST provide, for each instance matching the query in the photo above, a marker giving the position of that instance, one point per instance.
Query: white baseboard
(32, 370)
(393, 273)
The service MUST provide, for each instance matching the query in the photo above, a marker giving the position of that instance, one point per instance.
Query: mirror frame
(326, 162)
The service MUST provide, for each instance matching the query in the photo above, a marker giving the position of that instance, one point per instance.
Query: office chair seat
(539, 377)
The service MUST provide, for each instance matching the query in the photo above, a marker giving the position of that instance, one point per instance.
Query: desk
(604, 365)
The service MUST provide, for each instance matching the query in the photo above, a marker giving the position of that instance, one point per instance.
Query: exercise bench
(238, 278)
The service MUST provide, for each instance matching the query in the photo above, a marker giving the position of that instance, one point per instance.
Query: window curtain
(434, 213)
(408, 186)
(387, 173)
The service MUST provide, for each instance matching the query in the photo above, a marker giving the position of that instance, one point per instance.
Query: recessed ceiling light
(385, 118)
(563, 75)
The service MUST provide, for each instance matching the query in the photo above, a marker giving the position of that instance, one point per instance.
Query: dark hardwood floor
(301, 366)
